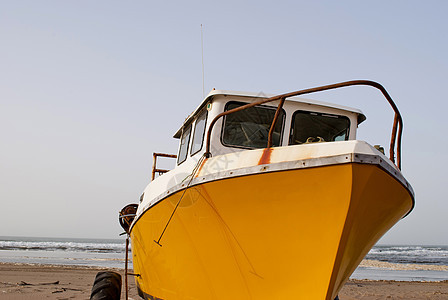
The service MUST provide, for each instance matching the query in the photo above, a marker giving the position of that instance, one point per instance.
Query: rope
(178, 202)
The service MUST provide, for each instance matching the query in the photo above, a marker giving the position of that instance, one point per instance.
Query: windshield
(312, 127)
(249, 128)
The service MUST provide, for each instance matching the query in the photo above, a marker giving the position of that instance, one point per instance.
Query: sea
(103, 253)
(383, 262)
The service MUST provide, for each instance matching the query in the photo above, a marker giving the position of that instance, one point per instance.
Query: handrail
(397, 128)
(154, 164)
(271, 130)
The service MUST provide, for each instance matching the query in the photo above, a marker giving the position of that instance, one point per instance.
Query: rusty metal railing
(397, 128)
(154, 164)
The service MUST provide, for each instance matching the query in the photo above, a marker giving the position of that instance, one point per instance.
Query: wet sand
(19, 281)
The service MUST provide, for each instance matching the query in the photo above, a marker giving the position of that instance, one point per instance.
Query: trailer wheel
(107, 285)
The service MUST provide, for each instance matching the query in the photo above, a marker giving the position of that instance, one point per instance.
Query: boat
(272, 197)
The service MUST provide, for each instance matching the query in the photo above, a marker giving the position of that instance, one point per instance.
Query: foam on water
(61, 245)
(437, 255)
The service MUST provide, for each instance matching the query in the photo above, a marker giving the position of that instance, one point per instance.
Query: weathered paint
(201, 166)
(265, 157)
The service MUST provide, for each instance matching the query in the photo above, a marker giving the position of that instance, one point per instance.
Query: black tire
(107, 274)
(107, 286)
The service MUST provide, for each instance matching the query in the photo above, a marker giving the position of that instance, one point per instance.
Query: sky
(90, 89)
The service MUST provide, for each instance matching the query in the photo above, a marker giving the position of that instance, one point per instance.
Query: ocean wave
(63, 246)
(410, 250)
(437, 255)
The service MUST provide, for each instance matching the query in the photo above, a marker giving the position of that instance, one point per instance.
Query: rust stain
(200, 168)
(265, 157)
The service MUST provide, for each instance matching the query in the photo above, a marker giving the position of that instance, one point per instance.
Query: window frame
(263, 106)
(185, 128)
(204, 111)
(320, 114)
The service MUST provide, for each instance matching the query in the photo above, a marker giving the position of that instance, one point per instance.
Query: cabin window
(249, 128)
(184, 141)
(312, 127)
(199, 130)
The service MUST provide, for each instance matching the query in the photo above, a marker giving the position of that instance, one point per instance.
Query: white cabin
(301, 121)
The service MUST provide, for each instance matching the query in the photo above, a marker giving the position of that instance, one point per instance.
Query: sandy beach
(19, 281)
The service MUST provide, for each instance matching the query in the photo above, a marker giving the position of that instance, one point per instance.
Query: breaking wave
(73, 245)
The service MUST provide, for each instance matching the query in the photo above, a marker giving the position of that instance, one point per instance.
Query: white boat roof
(214, 92)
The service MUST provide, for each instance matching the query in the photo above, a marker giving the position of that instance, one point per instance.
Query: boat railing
(397, 128)
(154, 164)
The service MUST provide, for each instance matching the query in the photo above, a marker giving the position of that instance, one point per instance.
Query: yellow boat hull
(293, 234)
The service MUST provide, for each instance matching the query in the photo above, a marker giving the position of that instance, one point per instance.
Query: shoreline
(22, 281)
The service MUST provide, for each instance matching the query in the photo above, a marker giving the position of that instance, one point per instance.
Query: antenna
(202, 48)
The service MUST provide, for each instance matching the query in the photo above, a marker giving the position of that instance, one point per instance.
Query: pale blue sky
(89, 89)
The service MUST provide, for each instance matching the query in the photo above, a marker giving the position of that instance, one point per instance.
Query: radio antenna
(202, 49)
